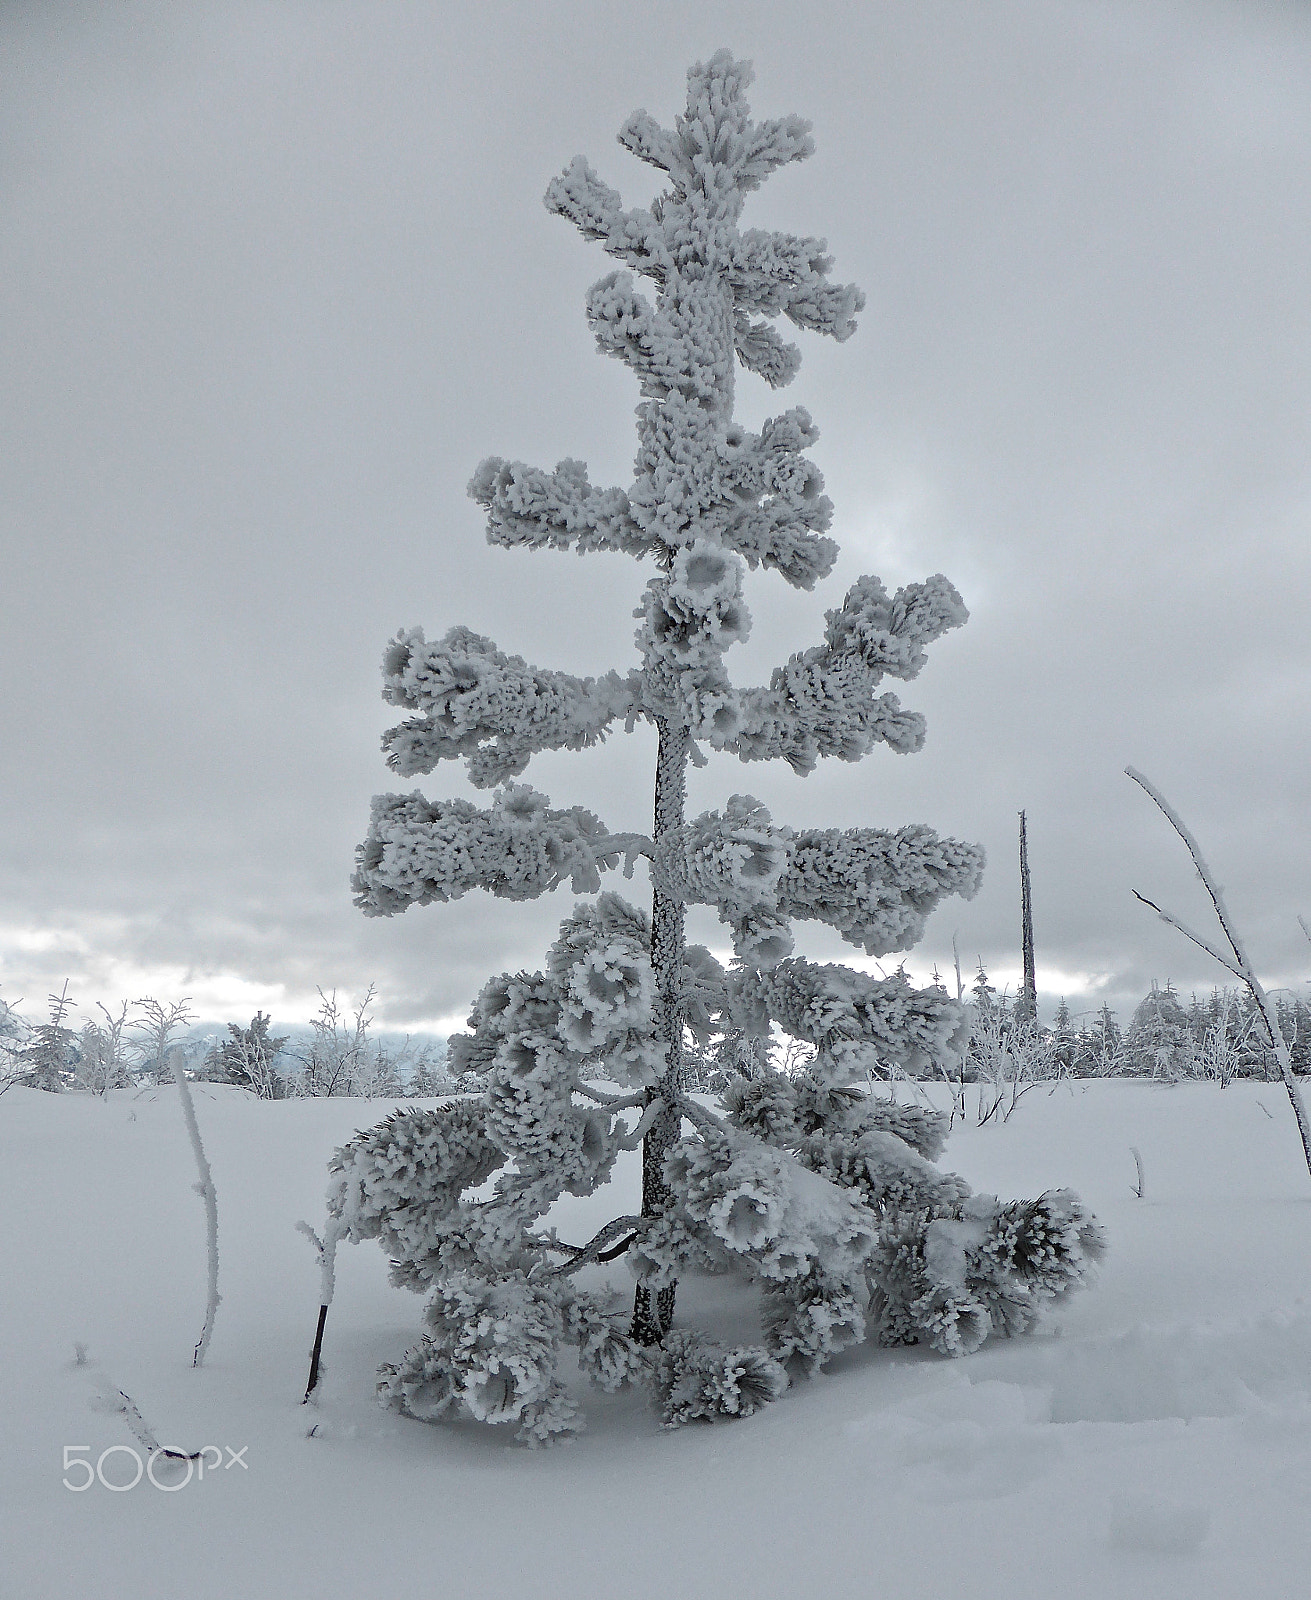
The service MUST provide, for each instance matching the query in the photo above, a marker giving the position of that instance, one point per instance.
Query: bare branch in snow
(1241, 965)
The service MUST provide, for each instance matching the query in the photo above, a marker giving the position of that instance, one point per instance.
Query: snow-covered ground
(1156, 1441)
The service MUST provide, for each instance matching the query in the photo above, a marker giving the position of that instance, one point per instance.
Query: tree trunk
(650, 1324)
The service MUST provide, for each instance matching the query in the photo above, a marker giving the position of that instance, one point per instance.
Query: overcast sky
(274, 278)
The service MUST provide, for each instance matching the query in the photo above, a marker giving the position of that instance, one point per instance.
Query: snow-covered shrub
(827, 1199)
(1009, 1053)
(102, 1059)
(1225, 1043)
(12, 1032)
(340, 1058)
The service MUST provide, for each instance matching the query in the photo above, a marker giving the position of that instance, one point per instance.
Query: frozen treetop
(710, 500)
(714, 157)
(710, 497)
(717, 290)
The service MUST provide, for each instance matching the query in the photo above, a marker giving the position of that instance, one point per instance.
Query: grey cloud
(276, 279)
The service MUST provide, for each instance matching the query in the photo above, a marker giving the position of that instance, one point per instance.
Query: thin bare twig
(1244, 968)
(145, 1434)
(1187, 932)
(118, 1402)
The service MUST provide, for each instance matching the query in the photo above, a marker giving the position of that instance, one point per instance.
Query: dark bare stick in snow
(327, 1252)
(315, 1354)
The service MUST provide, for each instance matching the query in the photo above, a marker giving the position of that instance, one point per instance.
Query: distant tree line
(1216, 1037)
(137, 1046)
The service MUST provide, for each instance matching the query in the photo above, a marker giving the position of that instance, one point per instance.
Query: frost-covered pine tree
(825, 1195)
(247, 1058)
(49, 1060)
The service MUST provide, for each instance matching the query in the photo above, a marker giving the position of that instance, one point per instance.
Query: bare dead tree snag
(1027, 1001)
